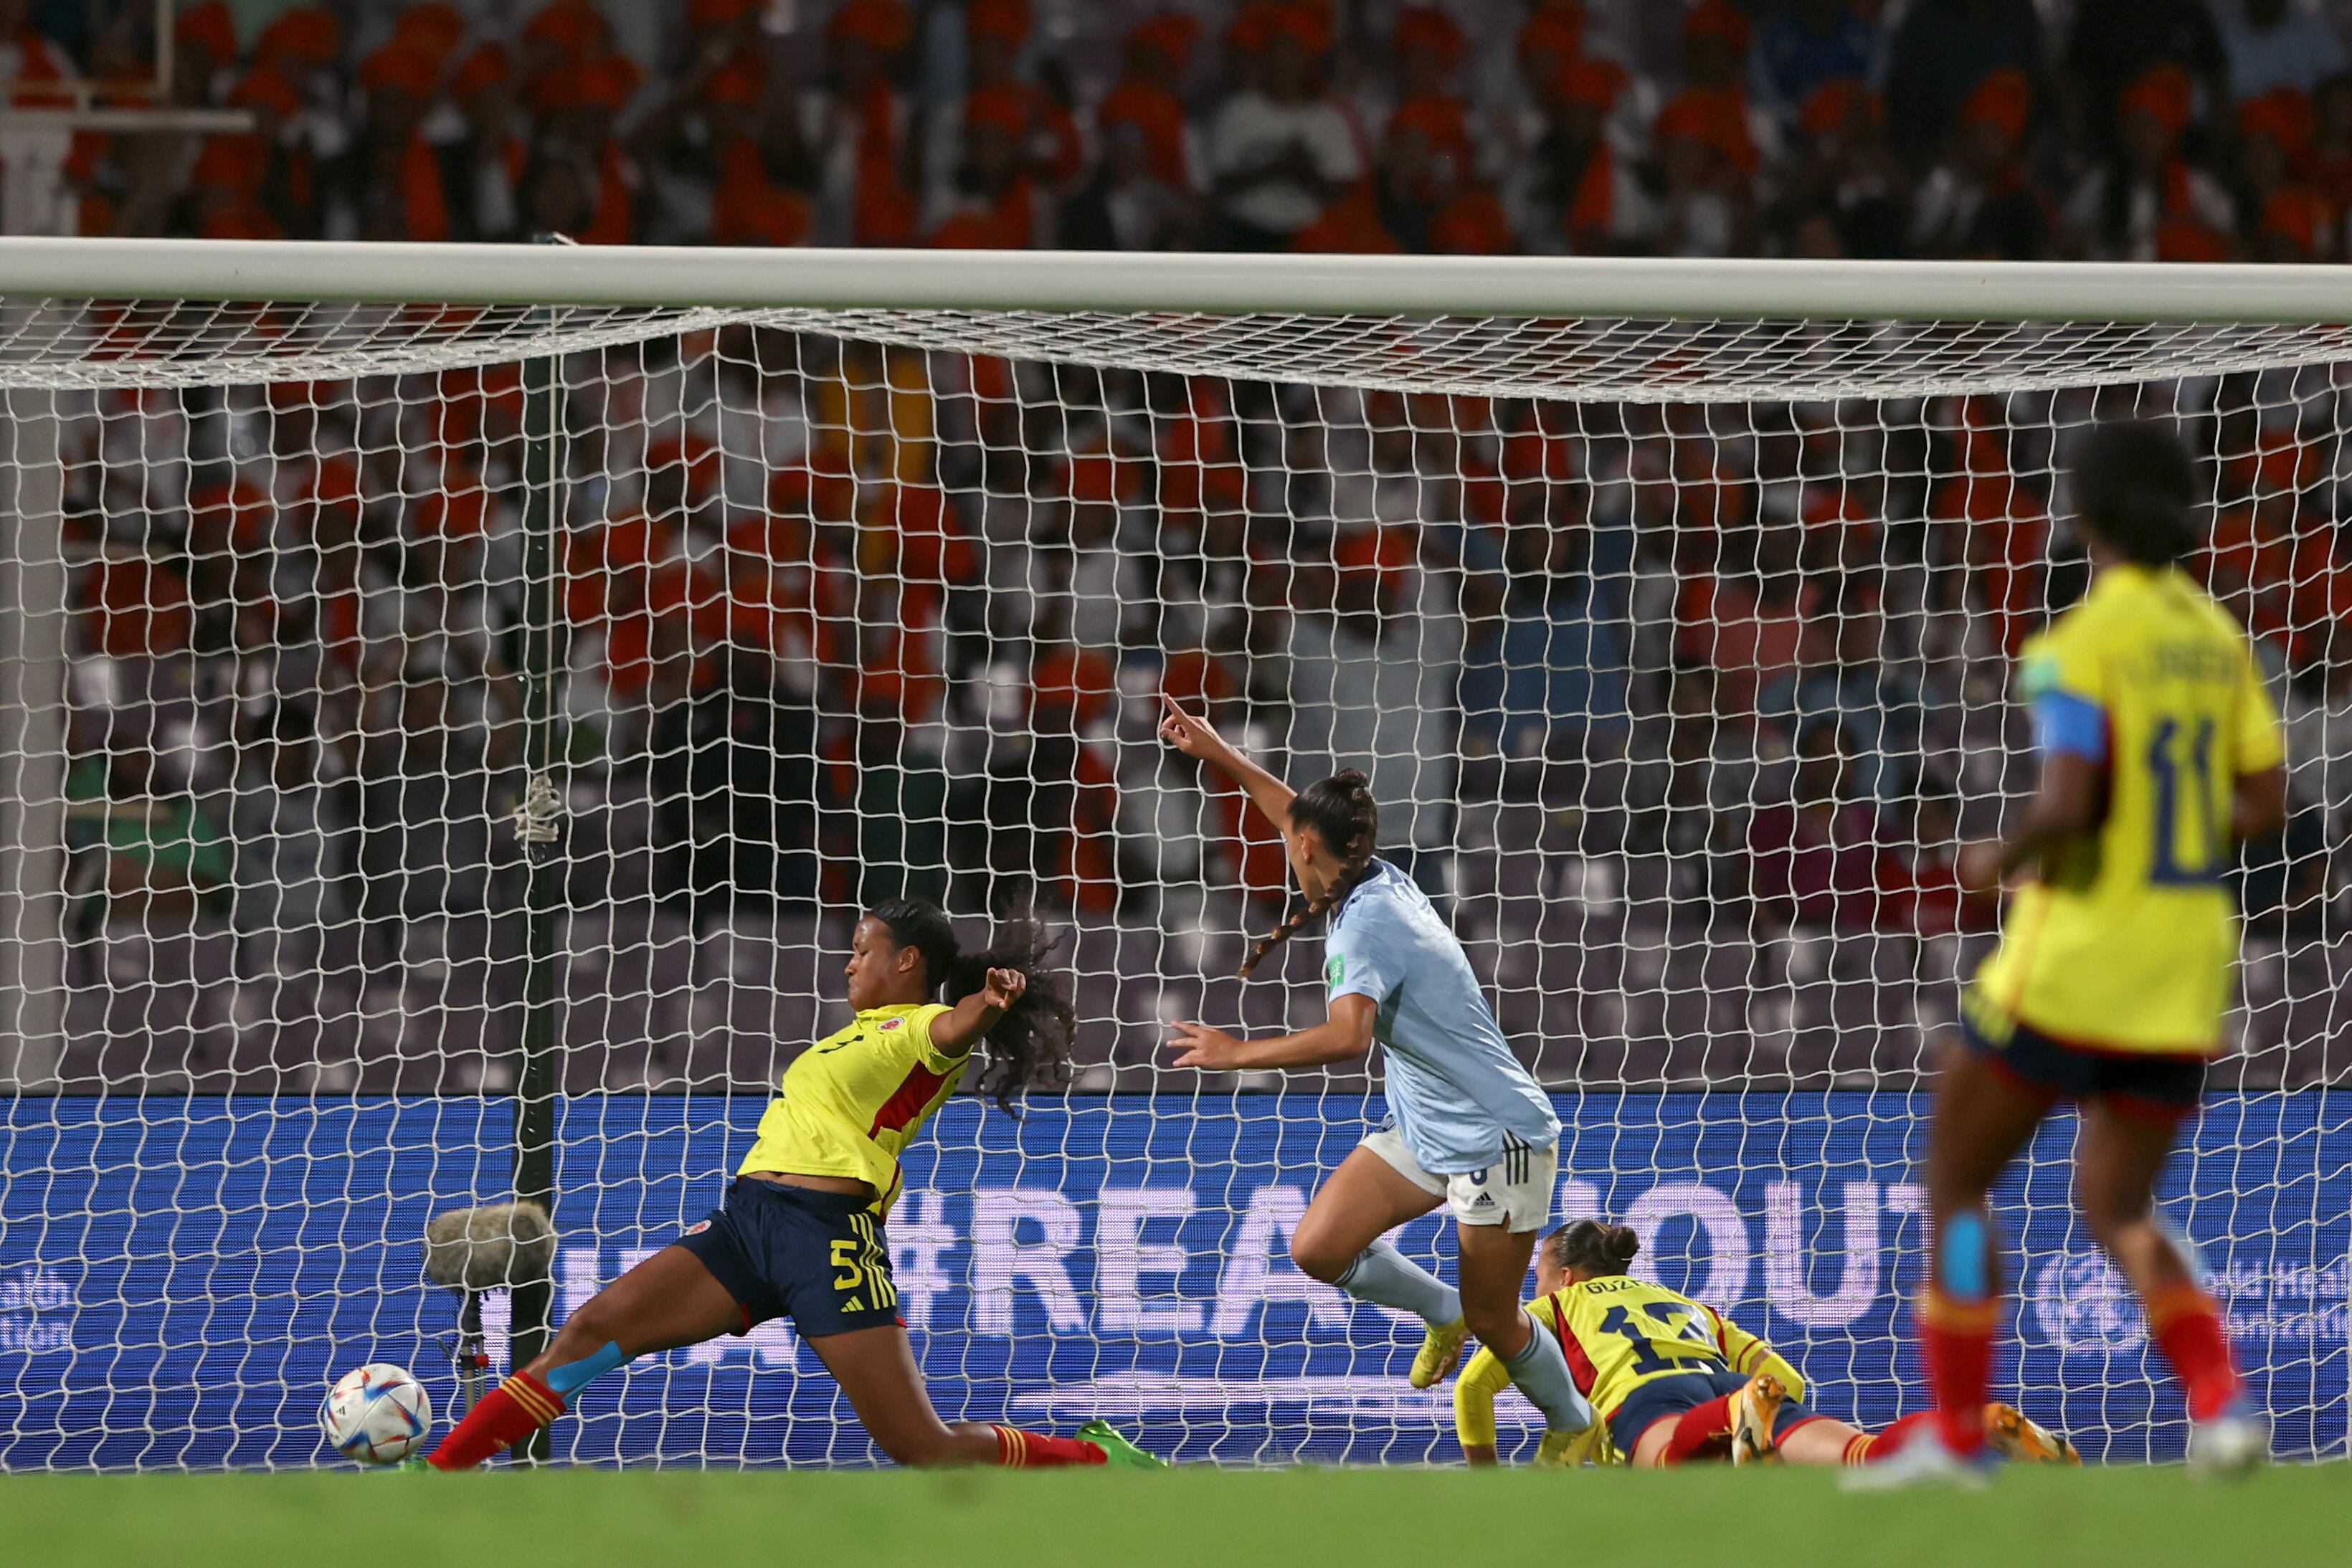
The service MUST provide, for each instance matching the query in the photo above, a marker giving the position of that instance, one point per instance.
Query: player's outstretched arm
(1748, 1354)
(1345, 1036)
(963, 1026)
(2066, 803)
(1195, 737)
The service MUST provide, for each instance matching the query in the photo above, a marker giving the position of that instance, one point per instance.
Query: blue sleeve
(2073, 724)
(1357, 963)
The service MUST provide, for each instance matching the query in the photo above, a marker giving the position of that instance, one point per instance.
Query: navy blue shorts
(2156, 1086)
(817, 1257)
(1663, 1397)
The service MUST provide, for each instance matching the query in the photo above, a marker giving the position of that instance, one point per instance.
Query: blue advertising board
(180, 1280)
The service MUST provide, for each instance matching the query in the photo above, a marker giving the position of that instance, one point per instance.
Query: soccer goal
(453, 701)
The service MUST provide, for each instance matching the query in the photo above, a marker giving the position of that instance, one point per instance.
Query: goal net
(443, 748)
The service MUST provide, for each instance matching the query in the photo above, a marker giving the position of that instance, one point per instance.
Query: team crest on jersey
(892, 1023)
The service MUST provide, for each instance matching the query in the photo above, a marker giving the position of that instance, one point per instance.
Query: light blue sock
(573, 1375)
(1541, 1373)
(1382, 1274)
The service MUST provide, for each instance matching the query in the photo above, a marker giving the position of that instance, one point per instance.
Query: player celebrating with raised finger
(801, 1235)
(1468, 1126)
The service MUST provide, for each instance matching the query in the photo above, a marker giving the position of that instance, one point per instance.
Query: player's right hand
(1192, 737)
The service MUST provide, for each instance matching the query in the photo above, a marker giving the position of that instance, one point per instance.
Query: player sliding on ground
(1468, 1125)
(1678, 1382)
(2159, 752)
(801, 1235)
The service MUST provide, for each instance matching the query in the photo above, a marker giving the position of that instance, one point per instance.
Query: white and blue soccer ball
(376, 1413)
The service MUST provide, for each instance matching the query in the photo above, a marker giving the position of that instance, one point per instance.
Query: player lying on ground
(1468, 1125)
(2160, 751)
(801, 1235)
(1678, 1382)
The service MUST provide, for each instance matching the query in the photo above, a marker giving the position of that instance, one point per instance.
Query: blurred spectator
(898, 793)
(1818, 862)
(1563, 664)
(144, 852)
(434, 846)
(1689, 786)
(2117, 42)
(2281, 217)
(1845, 178)
(1940, 52)
(1279, 150)
(1806, 44)
(861, 120)
(289, 839)
(1976, 203)
(2274, 44)
(1845, 682)
(733, 775)
(1577, 193)
(2147, 202)
(1033, 140)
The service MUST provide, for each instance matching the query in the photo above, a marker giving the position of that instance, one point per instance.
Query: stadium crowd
(1683, 708)
(2148, 130)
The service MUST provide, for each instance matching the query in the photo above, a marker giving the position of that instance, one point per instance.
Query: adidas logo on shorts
(1486, 1200)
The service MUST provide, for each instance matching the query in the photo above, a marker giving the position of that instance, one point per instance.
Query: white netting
(101, 343)
(1678, 654)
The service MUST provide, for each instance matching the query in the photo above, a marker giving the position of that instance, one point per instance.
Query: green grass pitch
(1197, 1518)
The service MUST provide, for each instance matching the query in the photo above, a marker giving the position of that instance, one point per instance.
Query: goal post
(452, 699)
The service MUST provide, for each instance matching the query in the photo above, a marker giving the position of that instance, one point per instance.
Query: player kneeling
(1677, 1382)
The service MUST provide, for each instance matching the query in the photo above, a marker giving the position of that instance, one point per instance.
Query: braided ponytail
(1343, 814)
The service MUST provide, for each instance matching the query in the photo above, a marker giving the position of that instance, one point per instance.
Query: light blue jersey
(1455, 1089)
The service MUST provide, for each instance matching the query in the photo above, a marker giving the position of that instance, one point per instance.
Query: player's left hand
(1004, 988)
(1978, 867)
(1211, 1050)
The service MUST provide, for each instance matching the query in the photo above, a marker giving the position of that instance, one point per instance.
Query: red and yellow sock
(1699, 1428)
(1956, 1351)
(2186, 1324)
(1022, 1450)
(506, 1415)
(1869, 1448)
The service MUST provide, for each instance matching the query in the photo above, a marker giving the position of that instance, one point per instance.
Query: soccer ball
(376, 1413)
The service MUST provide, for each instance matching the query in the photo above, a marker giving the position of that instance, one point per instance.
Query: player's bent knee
(1491, 1324)
(1317, 1259)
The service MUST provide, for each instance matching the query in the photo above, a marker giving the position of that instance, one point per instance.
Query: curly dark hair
(1029, 1048)
(1344, 815)
(1592, 1247)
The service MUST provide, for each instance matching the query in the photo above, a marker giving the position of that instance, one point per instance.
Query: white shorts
(1514, 1191)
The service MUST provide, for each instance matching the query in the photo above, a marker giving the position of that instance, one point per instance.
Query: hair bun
(1621, 1244)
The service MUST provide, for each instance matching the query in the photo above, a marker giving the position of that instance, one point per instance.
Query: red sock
(2186, 1324)
(1020, 1451)
(506, 1415)
(1956, 1348)
(1869, 1448)
(1697, 1429)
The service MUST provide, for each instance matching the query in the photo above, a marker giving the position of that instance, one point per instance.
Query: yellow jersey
(851, 1103)
(2124, 938)
(1619, 1332)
